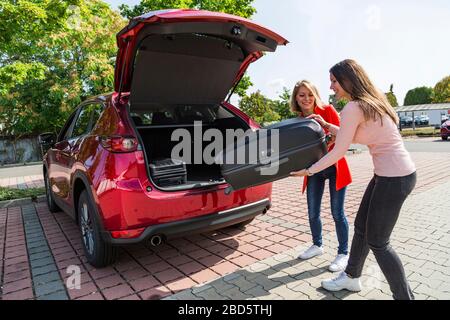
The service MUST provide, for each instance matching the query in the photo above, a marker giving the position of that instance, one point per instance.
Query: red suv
(173, 68)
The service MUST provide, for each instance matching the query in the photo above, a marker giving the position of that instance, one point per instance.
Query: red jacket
(343, 175)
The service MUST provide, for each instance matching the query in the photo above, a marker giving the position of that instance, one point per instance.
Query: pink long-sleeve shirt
(389, 155)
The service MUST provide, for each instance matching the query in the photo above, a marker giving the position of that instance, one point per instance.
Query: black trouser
(375, 220)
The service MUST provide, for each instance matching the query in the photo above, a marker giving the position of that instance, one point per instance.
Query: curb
(26, 164)
(21, 202)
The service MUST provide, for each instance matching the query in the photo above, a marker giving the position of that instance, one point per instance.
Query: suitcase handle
(278, 163)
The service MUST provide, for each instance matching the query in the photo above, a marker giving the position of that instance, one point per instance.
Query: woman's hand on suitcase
(300, 173)
(320, 120)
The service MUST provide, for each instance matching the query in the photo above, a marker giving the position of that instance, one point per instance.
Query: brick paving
(422, 242)
(256, 263)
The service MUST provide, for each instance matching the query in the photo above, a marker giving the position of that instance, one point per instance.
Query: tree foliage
(243, 86)
(391, 97)
(259, 108)
(337, 104)
(441, 92)
(282, 105)
(240, 8)
(420, 95)
(54, 54)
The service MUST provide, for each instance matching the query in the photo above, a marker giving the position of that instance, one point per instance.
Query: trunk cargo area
(158, 148)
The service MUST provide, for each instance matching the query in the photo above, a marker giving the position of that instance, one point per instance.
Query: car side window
(82, 123)
(97, 110)
(65, 132)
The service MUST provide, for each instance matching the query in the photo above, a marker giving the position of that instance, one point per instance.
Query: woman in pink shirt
(369, 119)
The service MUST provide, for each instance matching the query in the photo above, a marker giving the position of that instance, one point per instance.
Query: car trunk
(179, 79)
(178, 67)
(165, 47)
(156, 141)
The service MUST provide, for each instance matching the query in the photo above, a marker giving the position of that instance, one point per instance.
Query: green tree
(337, 104)
(259, 108)
(391, 97)
(282, 105)
(24, 22)
(240, 8)
(241, 89)
(54, 54)
(441, 92)
(420, 95)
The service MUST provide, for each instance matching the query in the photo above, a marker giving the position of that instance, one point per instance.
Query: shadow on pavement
(266, 280)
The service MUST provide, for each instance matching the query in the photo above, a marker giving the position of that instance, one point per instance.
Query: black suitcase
(302, 142)
(168, 172)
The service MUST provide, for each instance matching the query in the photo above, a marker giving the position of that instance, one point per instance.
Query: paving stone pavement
(421, 238)
(38, 249)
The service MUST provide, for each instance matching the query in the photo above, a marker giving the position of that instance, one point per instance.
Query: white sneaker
(311, 252)
(342, 282)
(339, 264)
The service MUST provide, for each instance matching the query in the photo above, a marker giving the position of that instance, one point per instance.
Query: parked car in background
(406, 121)
(111, 169)
(445, 130)
(422, 120)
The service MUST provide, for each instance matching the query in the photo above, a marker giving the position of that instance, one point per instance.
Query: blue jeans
(316, 186)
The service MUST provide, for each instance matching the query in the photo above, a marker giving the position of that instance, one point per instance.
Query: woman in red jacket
(306, 101)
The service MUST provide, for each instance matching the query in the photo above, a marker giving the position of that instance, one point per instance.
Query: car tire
(98, 253)
(52, 206)
(444, 138)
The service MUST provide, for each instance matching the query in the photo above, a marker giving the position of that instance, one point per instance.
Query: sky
(401, 42)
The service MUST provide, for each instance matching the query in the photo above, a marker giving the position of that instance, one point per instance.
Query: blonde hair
(308, 85)
(355, 81)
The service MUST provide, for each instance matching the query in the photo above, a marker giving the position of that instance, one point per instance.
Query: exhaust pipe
(266, 209)
(156, 240)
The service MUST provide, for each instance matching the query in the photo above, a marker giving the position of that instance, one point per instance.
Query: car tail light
(127, 234)
(119, 143)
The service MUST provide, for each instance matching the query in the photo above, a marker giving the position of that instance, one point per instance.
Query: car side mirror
(47, 139)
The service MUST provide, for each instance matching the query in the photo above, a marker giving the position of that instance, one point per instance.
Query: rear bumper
(206, 223)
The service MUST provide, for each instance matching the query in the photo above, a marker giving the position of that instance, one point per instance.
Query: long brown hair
(355, 81)
(308, 85)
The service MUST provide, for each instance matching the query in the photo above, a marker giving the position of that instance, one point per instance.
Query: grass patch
(12, 194)
(424, 132)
